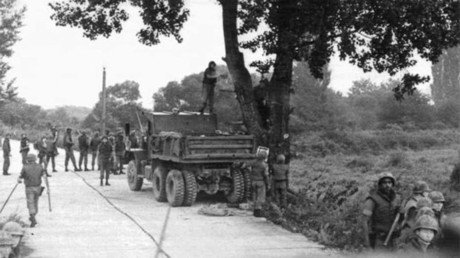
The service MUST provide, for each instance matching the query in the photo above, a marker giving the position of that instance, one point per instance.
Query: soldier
(6, 154)
(24, 148)
(438, 203)
(260, 97)
(134, 143)
(93, 145)
(16, 232)
(281, 177)
(32, 174)
(119, 152)
(209, 83)
(51, 150)
(420, 191)
(425, 229)
(105, 156)
(407, 229)
(68, 147)
(40, 146)
(260, 184)
(83, 146)
(379, 212)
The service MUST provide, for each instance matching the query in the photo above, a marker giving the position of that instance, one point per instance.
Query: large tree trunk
(240, 75)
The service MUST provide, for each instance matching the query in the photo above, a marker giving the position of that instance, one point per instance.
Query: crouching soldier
(425, 229)
(380, 210)
(105, 156)
(420, 191)
(259, 178)
(280, 176)
(32, 174)
(16, 232)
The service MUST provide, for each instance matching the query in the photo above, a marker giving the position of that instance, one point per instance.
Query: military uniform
(93, 146)
(32, 174)
(280, 177)
(42, 150)
(83, 146)
(414, 243)
(24, 149)
(259, 178)
(120, 148)
(68, 147)
(51, 151)
(209, 83)
(6, 155)
(105, 156)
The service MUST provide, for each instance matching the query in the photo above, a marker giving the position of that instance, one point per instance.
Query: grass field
(333, 186)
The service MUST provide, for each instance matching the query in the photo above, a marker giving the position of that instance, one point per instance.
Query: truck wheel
(134, 181)
(247, 185)
(175, 189)
(191, 188)
(237, 192)
(159, 184)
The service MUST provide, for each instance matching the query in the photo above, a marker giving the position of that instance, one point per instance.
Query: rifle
(9, 196)
(48, 192)
(392, 229)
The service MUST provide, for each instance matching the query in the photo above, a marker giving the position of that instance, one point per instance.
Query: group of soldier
(411, 225)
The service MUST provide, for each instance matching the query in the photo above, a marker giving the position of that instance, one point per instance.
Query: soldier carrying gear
(280, 177)
(259, 178)
(24, 148)
(120, 148)
(424, 231)
(32, 174)
(6, 154)
(68, 147)
(83, 146)
(16, 232)
(406, 230)
(420, 191)
(380, 209)
(93, 145)
(51, 149)
(105, 156)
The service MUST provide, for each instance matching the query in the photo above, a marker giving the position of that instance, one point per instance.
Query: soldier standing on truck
(93, 145)
(260, 184)
(380, 209)
(209, 83)
(6, 154)
(280, 177)
(83, 147)
(68, 147)
(105, 159)
(24, 148)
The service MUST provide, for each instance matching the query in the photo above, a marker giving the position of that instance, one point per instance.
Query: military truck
(184, 153)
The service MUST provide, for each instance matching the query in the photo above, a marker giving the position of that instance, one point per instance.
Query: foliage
(121, 107)
(446, 76)
(10, 22)
(448, 112)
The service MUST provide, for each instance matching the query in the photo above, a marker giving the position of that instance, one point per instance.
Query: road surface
(116, 222)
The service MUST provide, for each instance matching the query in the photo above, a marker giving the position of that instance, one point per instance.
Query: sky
(56, 66)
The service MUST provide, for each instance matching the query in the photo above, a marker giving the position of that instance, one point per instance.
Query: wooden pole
(104, 96)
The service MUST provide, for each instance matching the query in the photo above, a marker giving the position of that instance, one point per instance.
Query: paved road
(84, 224)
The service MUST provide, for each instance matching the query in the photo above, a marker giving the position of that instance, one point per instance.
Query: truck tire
(134, 181)
(175, 188)
(159, 184)
(237, 193)
(247, 185)
(191, 188)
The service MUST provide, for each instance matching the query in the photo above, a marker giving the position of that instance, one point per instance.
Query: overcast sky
(56, 66)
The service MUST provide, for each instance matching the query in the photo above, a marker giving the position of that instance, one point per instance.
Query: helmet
(436, 196)
(13, 228)
(69, 129)
(31, 157)
(6, 239)
(424, 202)
(421, 187)
(387, 175)
(261, 154)
(280, 158)
(424, 211)
(426, 222)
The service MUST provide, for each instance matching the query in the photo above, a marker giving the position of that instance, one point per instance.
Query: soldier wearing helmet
(380, 209)
(209, 83)
(424, 231)
(260, 184)
(105, 150)
(438, 202)
(280, 176)
(32, 174)
(83, 147)
(68, 147)
(422, 203)
(419, 191)
(16, 232)
(24, 148)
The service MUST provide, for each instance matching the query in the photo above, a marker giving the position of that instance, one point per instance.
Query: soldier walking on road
(51, 150)
(68, 147)
(281, 177)
(83, 146)
(93, 145)
(260, 184)
(209, 83)
(120, 147)
(32, 174)
(379, 212)
(40, 146)
(6, 154)
(24, 148)
(105, 158)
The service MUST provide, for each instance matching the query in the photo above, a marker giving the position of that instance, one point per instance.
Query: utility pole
(104, 96)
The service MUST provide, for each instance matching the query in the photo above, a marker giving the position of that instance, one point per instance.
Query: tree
(446, 76)
(373, 34)
(121, 107)
(10, 22)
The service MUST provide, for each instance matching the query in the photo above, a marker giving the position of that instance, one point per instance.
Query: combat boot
(66, 170)
(107, 182)
(33, 222)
